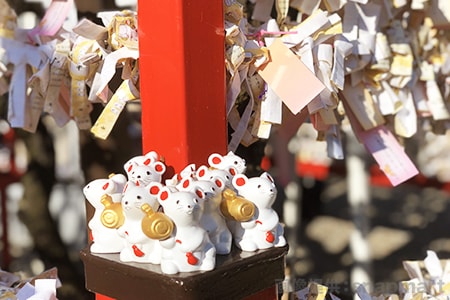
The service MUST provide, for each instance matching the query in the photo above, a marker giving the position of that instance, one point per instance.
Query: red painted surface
(102, 297)
(181, 46)
(267, 294)
(182, 84)
(182, 81)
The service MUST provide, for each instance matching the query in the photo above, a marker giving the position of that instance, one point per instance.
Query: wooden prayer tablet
(236, 276)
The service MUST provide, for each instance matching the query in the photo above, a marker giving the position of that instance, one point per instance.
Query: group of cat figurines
(183, 223)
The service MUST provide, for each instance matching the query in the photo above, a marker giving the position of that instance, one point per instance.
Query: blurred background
(333, 238)
(42, 174)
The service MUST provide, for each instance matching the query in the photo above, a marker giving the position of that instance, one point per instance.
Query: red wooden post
(182, 84)
(182, 81)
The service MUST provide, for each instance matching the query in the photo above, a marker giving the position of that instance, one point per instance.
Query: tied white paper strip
(58, 70)
(324, 68)
(271, 104)
(234, 87)
(270, 26)
(406, 118)
(259, 128)
(428, 279)
(386, 99)
(342, 49)
(382, 52)
(307, 28)
(22, 56)
(436, 103)
(420, 99)
(433, 265)
(306, 54)
(107, 16)
(359, 29)
(38, 83)
(324, 64)
(90, 30)
(271, 107)
(109, 69)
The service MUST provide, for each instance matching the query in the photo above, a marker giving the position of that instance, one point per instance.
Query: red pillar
(182, 81)
(182, 84)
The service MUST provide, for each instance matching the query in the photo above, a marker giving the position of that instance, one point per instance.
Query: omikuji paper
(289, 78)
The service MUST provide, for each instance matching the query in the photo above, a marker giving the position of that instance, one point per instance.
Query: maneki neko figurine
(212, 219)
(189, 248)
(135, 203)
(104, 239)
(263, 230)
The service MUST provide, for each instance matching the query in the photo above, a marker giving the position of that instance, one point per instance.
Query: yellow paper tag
(123, 31)
(317, 292)
(82, 52)
(105, 122)
(80, 106)
(402, 65)
(8, 26)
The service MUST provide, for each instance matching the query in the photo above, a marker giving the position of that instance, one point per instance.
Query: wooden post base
(267, 294)
(238, 275)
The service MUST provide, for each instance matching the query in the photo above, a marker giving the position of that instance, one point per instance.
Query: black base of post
(236, 276)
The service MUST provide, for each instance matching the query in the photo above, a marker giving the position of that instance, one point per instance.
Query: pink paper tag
(385, 149)
(389, 154)
(289, 78)
(53, 19)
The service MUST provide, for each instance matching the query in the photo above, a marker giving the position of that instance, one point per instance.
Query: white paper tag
(109, 69)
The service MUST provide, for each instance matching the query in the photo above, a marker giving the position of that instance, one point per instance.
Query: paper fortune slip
(53, 19)
(389, 154)
(289, 78)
